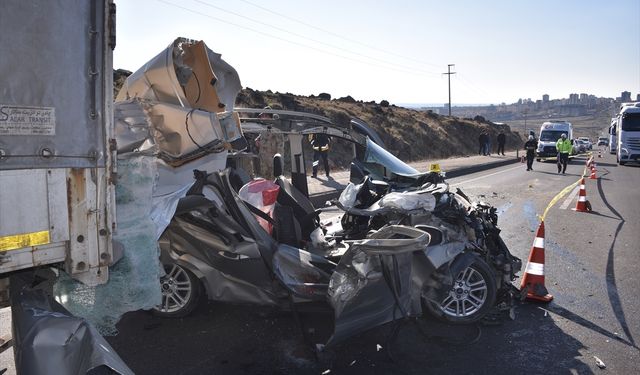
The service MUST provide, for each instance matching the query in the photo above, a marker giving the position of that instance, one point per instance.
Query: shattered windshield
(378, 155)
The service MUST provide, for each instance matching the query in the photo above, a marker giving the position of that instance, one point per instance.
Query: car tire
(181, 291)
(474, 288)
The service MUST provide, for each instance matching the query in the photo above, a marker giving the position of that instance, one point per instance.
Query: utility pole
(449, 73)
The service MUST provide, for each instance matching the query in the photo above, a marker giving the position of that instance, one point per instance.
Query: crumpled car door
(379, 280)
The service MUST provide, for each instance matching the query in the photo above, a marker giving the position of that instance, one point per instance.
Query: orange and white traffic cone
(533, 279)
(583, 204)
(589, 161)
(593, 172)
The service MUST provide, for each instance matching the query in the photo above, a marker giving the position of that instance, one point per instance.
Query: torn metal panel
(48, 338)
(176, 134)
(305, 274)
(374, 284)
(188, 74)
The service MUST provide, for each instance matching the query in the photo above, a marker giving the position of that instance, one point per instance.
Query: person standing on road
(482, 142)
(501, 140)
(488, 144)
(320, 144)
(563, 145)
(530, 145)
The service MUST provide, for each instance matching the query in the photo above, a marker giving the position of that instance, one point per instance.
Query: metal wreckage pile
(403, 244)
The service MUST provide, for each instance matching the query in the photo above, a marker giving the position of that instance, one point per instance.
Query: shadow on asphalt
(612, 289)
(230, 339)
(330, 182)
(602, 215)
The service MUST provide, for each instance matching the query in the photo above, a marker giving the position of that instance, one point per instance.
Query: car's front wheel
(180, 290)
(472, 296)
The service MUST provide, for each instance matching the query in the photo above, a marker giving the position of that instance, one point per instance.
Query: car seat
(289, 196)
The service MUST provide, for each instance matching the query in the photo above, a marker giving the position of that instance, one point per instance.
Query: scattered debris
(599, 362)
(352, 363)
(546, 313)
(378, 347)
(325, 372)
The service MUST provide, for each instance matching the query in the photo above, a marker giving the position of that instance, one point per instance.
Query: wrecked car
(403, 242)
(216, 246)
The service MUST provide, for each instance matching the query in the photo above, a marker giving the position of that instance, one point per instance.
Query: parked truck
(628, 133)
(57, 147)
(613, 130)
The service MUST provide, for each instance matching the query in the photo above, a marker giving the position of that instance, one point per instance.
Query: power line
(449, 73)
(466, 81)
(336, 34)
(413, 72)
(311, 39)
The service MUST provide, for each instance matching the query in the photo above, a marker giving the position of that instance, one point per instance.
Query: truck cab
(628, 133)
(550, 132)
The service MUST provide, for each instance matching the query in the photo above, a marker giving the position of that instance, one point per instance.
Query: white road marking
(569, 199)
(485, 176)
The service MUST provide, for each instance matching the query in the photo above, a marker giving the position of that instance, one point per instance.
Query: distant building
(573, 99)
(545, 98)
(584, 98)
(638, 98)
(625, 96)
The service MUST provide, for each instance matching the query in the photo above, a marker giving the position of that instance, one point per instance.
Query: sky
(397, 50)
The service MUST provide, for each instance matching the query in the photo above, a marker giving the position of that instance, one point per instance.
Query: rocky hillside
(409, 134)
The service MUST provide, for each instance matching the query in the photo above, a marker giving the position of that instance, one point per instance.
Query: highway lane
(592, 264)
(592, 259)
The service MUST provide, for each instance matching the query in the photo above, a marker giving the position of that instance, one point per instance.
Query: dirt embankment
(409, 134)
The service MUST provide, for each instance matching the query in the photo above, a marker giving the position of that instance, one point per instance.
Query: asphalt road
(592, 263)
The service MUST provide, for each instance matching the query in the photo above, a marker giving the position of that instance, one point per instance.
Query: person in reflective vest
(320, 143)
(563, 145)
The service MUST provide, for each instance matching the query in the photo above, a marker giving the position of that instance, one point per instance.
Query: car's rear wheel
(472, 296)
(180, 290)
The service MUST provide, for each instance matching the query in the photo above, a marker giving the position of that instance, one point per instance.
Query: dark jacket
(501, 138)
(531, 146)
(320, 141)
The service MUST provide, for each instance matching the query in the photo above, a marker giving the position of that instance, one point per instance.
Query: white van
(628, 133)
(550, 132)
